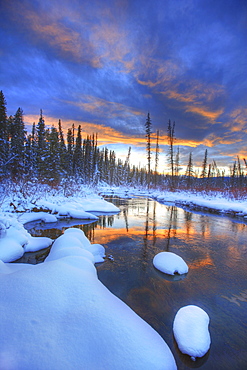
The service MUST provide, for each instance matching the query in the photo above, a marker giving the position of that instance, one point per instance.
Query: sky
(106, 64)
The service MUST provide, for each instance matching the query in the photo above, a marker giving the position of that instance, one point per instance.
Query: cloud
(106, 135)
(211, 116)
(99, 106)
(238, 120)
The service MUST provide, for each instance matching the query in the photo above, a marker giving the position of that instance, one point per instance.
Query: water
(215, 249)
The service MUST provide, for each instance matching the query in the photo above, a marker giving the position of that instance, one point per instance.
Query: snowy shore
(60, 306)
(214, 203)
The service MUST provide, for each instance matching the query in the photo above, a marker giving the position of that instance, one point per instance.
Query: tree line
(51, 157)
(210, 178)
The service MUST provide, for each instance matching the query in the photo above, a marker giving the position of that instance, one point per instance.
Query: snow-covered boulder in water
(170, 263)
(190, 328)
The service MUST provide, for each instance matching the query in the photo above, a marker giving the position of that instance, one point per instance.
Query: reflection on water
(215, 249)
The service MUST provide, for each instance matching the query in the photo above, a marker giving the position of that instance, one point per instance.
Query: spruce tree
(204, 165)
(53, 168)
(189, 171)
(70, 151)
(3, 135)
(156, 158)
(42, 149)
(17, 145)
(63, 154)
(148, 125)
(77, 158)
(171, 139)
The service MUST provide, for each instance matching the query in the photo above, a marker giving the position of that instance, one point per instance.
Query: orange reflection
(207, 261)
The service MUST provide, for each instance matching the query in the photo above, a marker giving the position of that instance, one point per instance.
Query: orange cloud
(156, 73)
(96, 105)
(212, 116)
(238, 120)
(106, 134)
(79, 35)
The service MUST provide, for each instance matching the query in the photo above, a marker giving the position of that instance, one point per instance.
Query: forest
(47, 155)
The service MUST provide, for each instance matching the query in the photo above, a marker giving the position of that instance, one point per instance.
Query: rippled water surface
(215, 249)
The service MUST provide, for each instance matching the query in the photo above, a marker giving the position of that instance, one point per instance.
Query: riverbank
(48, 199)
(213, 203)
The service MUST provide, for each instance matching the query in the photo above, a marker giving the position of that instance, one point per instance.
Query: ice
(191, 332)
(170, 263)
(58, 315)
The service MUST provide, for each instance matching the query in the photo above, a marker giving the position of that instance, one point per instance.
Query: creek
(215, 249)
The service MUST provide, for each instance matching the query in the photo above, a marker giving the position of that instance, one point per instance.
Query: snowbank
(170, 263)
(215, 203)
(36, 216)
(77, 207)
(58, 315)
(15, 240)
(190, 330)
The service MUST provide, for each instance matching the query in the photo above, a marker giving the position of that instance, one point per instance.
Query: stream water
(215, 249)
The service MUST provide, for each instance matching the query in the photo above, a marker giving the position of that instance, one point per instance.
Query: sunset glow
(105, 65)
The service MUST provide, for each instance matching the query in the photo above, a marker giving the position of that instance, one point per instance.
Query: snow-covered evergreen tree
(17, 145)
(3, 135)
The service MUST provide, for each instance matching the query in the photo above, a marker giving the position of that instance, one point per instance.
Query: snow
(15, 240)
(37, 243)
(170, 263)
(74, 241)
(210, 202)
(36, 216)
(190, 328)
(61, 311)
(77, 207)
(58, 315)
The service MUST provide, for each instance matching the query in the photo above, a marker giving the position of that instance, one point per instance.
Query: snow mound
(77, 207)
(36, 216)
(190, 328)
(80, 214)
(74, 241)
(36, 243)
(170, 263)
(99, 205)
(67, 319)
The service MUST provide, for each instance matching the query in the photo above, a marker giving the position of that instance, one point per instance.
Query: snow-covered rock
(190, 328)
(170, 263)
(58, 315)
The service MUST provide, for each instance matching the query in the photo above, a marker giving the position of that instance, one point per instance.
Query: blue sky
(106, 64)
